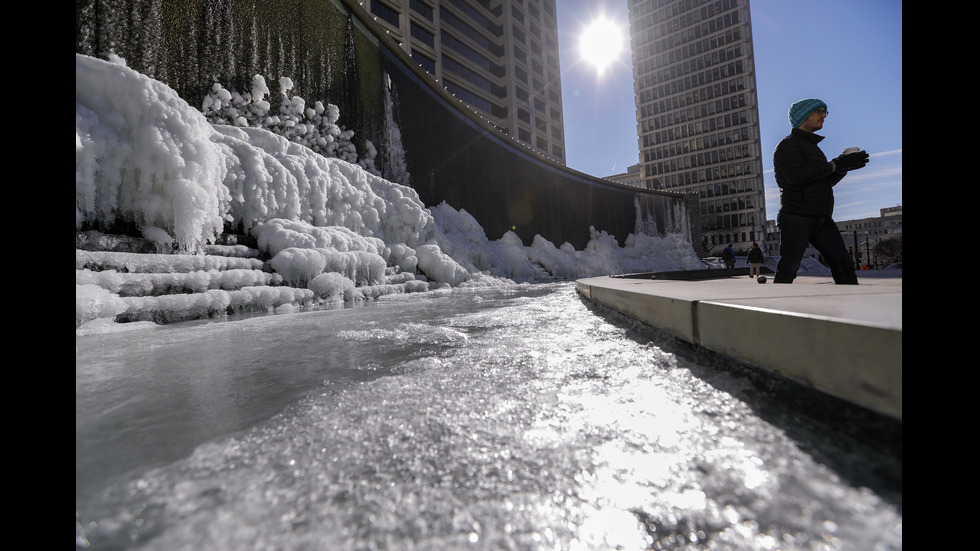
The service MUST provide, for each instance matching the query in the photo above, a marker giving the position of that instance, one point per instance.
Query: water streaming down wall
(658, 215)
(424, 136)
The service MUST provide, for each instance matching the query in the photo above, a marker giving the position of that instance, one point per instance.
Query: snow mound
(331, 229)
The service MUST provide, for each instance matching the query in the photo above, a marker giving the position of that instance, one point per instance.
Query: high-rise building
(697, 112)
(500, 57)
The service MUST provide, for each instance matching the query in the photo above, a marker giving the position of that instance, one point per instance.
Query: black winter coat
(805, 177)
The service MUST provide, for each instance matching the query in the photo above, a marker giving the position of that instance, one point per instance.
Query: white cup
(850, 150)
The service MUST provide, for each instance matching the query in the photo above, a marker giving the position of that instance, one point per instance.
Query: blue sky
(845, 52)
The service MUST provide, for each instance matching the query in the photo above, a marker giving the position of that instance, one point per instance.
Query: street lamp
(867, 250)
(855, 250)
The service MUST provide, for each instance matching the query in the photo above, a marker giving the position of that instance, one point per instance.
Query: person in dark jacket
(728, 255)
(806, 181)
(755, 260)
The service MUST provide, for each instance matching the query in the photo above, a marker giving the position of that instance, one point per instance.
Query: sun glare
(601, 43)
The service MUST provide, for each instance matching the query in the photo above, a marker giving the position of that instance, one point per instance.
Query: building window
(470, 97)
(423, 35)
(469, 53)
(422, 9)
(520, 74)
(451, 65)
(384, 12)
(471, 12)
(460, 25)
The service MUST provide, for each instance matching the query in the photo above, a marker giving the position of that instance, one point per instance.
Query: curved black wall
(335, 53)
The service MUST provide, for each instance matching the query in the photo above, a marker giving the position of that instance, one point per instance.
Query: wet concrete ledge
(844, 340)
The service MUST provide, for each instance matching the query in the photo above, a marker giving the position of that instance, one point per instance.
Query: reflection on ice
(502, 419)
(418, 333)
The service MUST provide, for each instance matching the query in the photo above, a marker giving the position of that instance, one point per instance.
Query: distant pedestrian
(755, 260)
(806, 181)
(728, 255)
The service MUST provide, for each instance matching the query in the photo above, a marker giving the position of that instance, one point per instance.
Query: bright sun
(601, 43)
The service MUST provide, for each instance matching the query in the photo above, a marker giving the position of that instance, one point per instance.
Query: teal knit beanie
(799, 111)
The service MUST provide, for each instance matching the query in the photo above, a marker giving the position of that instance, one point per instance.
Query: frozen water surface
(513, 418)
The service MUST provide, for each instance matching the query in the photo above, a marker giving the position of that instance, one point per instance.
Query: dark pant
(800, 231)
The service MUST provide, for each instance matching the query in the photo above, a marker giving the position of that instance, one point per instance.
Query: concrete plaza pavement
(844, 340)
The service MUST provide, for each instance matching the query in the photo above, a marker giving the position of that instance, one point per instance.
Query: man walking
(806, 181)
(728, 255)
(755, 261)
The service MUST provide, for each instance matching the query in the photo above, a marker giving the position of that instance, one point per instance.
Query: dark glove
(851, 161)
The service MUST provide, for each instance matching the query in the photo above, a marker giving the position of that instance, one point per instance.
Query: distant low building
(861, 236)
(632, 177)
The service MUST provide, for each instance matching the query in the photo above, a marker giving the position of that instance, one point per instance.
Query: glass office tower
(697, 112)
